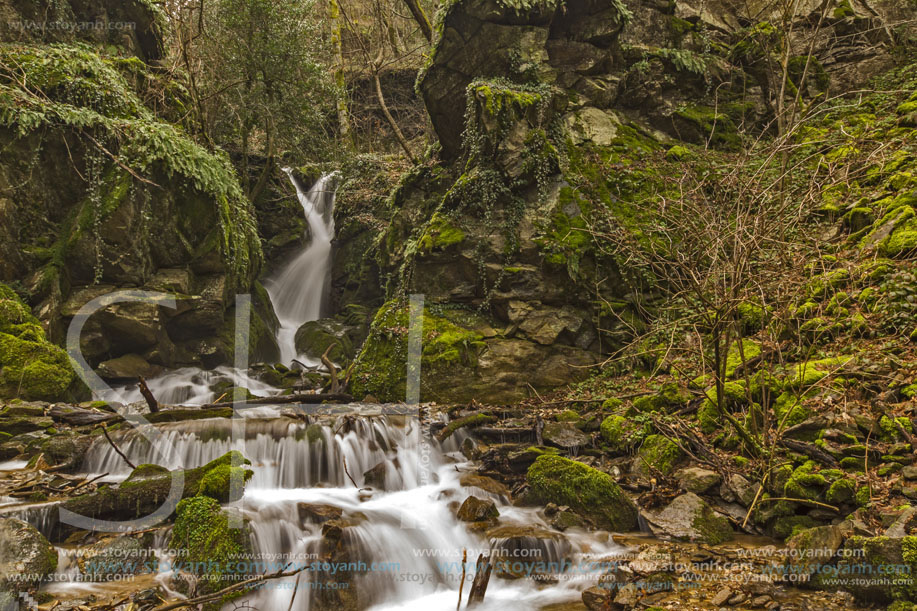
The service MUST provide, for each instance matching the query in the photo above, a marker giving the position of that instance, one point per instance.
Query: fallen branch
(285, 399)
(809, 450)
(462, 584)
(481, 578)
(331, 369)
(190, 602)
(348, 473)
(118, 450)
(801, 501)
(148, 395)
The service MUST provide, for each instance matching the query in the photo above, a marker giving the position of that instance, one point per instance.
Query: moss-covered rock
(622, 433)
(25, 556)
(587, 491)
(657, 456)
(689, 517)
(203, 536)
(31, 367)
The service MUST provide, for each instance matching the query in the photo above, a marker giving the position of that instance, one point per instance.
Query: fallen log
(810, 450)
(501, 433)
(78, 416)
(286, 399)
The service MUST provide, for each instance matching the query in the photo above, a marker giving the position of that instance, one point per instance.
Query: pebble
(721, 597)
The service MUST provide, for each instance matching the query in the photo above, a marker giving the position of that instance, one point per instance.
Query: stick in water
(148, 395)
(112, 443)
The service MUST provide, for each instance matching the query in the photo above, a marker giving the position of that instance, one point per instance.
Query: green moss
(658, 454)
(805, 375)
(805, 484)
(788, 526)
(677, 153)
(440, 234)
(752, 316)
(790, 410)
(32, 367)
(714, 126)
(841, 492)
(203, 535)
(826, 284)
(216, 483)
(587, 491)
(622, 433)
(468, 421)
(85, 92)
(567, 416)
(381, 367)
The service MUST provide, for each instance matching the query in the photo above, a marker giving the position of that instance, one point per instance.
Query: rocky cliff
(573, 114)
(98, 192)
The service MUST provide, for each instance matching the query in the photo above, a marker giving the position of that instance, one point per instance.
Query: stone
(597, 598)
(128, 366)
(909, 472)
(486, 484)
(592, 125)
(25, 555)
(737, 488)
(521, 551)
(657, 456)
(316, 336)
(904, 525)
(317, 513)
(587, 491)
(375, 477)
(697, 480)
(721, 597)
(815, 547)
(688, 517)
(474, 509)
(565, 436)
(111, 557)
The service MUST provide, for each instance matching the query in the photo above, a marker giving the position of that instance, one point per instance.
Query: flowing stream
(401, 537)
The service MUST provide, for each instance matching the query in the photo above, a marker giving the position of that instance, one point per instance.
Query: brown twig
(112, 443)
(462, 583)
(190, 602)
(148, 395)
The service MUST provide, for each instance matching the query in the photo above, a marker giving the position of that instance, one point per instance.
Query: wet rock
(522, 551)
(487, 484)
(597, 598)
(474, 509)
(587, 491)
(689, 517)
(19, 425)
(472, 449)
(316, 336)
(697, 480)
(815, 547)
(565, 435)
(146, 471)
(318, 513)
(889, 559)
(375, 477)
(737, 488)
(564, 519)
(128, 366)
(113, 556)
(25, 555)
(720, 598)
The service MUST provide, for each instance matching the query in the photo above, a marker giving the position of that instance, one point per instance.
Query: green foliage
(74, 87)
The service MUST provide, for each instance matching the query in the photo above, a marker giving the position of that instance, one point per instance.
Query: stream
(403, 538)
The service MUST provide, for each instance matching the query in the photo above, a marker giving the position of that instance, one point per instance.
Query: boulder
(814, 548)
(112, 557)
(318, 513)
(565, 436)
(127, 366)
(688, 517)
(657, 456)
(697, 480)
(25, 555)
(314, 337)
(587, 491)
(487, 484)
(474, 509)
(525, 551)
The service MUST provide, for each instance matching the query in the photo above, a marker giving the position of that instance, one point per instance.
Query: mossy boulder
(688, 517)
(31, 367)
(877, 569)
(622, 433)
(587, 491)
(203, 535)
(316, 336)
(25, 555)
(657, 456)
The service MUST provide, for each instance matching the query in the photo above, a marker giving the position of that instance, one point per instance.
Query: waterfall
(401, 533)
(299, 291)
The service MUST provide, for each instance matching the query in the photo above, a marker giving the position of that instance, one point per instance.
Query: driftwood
(482, 573)
(148, 395)
(77, 416)
(332, 371)
(319, 397)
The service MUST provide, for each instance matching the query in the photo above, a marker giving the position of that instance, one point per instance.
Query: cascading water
(405, 543)
(299, 291)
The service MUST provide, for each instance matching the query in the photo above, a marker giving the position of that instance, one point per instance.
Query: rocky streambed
(376, 506)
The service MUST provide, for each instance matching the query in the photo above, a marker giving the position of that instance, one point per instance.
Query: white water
(299, 291)
(408, 530)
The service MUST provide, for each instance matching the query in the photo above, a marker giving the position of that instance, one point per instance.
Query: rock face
(24, 554)
(558, 103)
(169, 217)
(474, 509)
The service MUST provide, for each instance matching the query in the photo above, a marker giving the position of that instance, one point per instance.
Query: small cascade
(299, 291)
(403, 542)
(191, 386)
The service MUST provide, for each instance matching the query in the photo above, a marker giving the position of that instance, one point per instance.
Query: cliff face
(98, 193)
(551, 116)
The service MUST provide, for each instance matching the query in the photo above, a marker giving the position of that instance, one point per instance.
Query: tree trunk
(421, 18)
